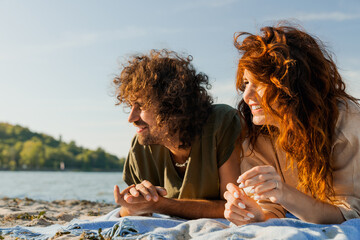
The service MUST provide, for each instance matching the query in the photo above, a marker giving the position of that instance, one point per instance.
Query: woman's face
(253, 95)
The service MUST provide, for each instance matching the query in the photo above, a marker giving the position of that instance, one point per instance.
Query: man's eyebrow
(138, 104)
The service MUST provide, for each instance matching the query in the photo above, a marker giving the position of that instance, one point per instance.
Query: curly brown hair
(302, 80)
(169, 82)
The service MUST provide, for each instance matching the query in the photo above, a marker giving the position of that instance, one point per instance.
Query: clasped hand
(263, 183)
(138, 199)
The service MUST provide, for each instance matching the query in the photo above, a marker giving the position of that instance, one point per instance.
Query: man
(184, 152)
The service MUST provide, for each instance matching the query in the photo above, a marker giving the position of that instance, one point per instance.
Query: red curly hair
(302, 80)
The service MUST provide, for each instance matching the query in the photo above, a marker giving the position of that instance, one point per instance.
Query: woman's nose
(248, 94)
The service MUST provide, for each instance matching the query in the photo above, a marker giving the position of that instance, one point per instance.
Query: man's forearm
(190, 208)
(125, 212)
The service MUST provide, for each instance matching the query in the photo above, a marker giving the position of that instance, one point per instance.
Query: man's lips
(140, 129)
(140, 126)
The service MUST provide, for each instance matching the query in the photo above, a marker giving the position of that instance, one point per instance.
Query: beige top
(345, 154)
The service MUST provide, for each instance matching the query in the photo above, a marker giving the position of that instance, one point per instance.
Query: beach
(39, 213)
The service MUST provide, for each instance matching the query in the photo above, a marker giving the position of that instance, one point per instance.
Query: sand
(29, 212)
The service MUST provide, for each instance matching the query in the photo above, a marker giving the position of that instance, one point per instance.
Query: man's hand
(147, 190)
(134, 202)
(185, 208)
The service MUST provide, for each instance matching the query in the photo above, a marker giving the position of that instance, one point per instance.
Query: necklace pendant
(181, 164)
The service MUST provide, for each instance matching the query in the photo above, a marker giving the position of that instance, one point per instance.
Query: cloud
(206, 4)
(129, 32)
(352, 77)
(224, 92)
(352, 82)
(72, 40)
(218, 3)
(327, 16)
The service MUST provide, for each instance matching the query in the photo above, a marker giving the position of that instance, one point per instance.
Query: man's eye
(245, 82)
(139, 106)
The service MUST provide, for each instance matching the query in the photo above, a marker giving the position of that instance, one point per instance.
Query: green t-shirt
(208, 152)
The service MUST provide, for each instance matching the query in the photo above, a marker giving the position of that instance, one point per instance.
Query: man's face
(147, 130)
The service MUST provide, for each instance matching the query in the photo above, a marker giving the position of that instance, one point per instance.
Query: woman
(301, 146)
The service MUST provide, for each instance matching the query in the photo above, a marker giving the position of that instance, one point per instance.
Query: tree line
(22, 149)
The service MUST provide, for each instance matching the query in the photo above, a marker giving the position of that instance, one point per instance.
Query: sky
(58, 58)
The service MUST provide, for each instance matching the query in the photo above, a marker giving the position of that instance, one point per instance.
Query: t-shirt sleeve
(227, 135)
(346, 155)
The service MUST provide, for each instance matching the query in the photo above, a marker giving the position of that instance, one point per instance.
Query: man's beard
(153, 135)
(149, 138)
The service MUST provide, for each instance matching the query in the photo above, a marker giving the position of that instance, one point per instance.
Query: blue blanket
(164, 227)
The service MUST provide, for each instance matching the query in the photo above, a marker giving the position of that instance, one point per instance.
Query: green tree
(32, 154)
(55, 156)
(5, 157)
(22, 148)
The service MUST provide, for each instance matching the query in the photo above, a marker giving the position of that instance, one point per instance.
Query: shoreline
(40, 213)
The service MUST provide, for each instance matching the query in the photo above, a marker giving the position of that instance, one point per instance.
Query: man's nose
(134, 115)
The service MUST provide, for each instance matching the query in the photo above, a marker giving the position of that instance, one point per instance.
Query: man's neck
(179, 155)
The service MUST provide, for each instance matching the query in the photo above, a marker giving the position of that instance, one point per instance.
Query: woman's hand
(239, 208)
(265, 182)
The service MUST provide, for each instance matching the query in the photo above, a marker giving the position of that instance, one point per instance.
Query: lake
(92, 186)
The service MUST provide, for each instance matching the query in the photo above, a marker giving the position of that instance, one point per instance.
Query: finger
(234, 208)
(134, 192)
(234, 199)
(162, 191)
(250, 205)
(125, 194)
(143, 191)
(234, 190)
(231, 187)
(151, 189)
(117, 195)
(267, 186)
(271, 190)
(255, 171)
(238, 202)
(229, 197)
(272, 195)
(258, 179)
(127, 189)
(235, 218)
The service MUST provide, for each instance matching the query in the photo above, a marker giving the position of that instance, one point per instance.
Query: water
(93, 186)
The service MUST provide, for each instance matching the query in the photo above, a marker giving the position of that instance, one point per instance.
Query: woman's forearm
(309, 209)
